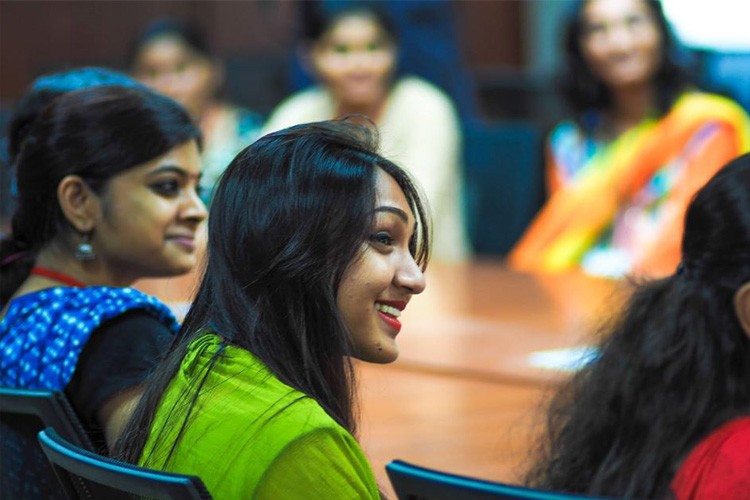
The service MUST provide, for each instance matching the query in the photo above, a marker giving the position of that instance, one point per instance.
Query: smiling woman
(640, 143)
(352, 50)
(316, 245)
(106, 182)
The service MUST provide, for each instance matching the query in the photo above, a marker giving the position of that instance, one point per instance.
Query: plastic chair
(24, 470)
(110, 479)
(412, 482)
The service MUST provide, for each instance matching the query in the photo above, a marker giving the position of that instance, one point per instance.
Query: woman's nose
(194, 208)
(410, 276)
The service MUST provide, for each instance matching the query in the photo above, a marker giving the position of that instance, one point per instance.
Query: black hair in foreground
(291, 213)
(673, 367)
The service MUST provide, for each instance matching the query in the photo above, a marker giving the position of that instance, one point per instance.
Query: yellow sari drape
(574, 217)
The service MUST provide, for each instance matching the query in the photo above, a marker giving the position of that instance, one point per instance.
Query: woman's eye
(167, 188)
(382, 238)
(595, 28)
(635, 21)
(340, 49)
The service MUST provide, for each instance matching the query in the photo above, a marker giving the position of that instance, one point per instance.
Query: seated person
(98, 208)
(316, 245)
(353, 53)
(664, 411)
(622, 171)
(174, 58)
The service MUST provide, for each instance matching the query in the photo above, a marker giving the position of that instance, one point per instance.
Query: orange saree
(678, 152)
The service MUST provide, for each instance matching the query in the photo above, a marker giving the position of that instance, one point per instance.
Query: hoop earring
(84, 250)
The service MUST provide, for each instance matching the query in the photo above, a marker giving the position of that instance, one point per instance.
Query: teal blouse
(252, 436)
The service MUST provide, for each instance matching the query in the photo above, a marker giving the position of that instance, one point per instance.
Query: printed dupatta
(575, 217)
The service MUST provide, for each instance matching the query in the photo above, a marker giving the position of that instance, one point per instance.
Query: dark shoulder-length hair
(583, 91)
(291, 213)
(318, 17)
(95, 133)
(674, 366)
(187, 33)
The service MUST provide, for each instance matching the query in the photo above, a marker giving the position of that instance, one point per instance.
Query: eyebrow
(394, 210)
(161, 169)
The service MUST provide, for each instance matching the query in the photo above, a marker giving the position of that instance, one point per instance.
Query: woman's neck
(373, 110)
(62, 260)
(631, 105)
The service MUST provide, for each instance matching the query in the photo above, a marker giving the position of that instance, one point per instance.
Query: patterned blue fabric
(43, 333)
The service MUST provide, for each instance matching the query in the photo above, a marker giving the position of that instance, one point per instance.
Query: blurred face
(169, 66)
(148, 216)
(379, 284)
(621, 41)
(355, 59)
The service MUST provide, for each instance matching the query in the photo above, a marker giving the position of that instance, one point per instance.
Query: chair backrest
(111, 479)
(504, 176)
(412, 482)
(24, 470)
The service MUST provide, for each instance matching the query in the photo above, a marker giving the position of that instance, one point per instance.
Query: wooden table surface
(465, 394)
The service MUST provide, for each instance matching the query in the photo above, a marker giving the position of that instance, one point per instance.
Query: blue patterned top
(43, 333)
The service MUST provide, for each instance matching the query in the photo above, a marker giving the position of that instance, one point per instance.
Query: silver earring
(84, 250)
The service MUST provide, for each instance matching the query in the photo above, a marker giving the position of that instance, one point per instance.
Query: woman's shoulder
(718, 466)
(418, 92)
(95, 302)
(245, 119)
(734, 434)
(307, 105)
(708, 104)
(237, 375)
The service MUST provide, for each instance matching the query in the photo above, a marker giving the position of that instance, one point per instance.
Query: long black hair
(673, 367)
(290, 215)
(95, 133)
(583, 91)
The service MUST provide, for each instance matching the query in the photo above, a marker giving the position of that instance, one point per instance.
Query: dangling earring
(84, 250)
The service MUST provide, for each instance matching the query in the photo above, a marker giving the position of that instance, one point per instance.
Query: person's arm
(326, 463)
(115, 412)
(113, 365)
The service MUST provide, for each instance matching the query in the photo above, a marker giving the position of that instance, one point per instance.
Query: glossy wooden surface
(464, 395)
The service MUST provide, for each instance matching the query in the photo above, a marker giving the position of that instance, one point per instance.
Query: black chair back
(109, 479)
(25, 472)
(412, 482)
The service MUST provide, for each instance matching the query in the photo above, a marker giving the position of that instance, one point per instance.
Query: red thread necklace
(56, 275)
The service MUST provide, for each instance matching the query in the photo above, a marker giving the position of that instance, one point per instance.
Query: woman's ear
(742, 307)
(78, 202)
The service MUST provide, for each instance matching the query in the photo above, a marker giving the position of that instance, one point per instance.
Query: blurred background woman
(174, 58)
(641, 141)
(352, 50)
